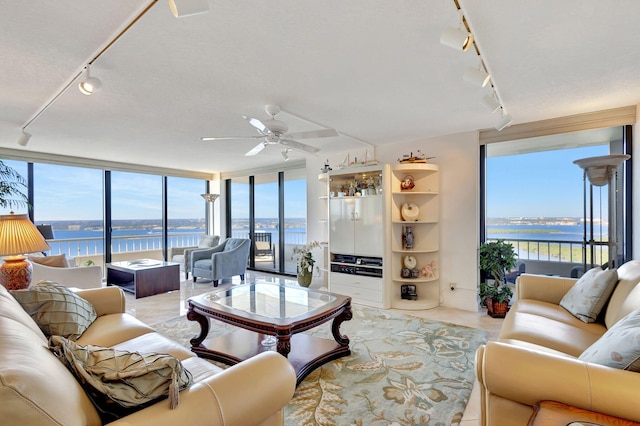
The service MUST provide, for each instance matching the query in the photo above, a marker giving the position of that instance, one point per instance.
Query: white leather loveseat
(37, 389)
(536, 355)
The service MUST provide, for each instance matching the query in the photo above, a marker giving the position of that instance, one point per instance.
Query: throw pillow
(56, 309)
(590, 293)
(207, 241)
(120, 382)
(57, 261)
(619, 347)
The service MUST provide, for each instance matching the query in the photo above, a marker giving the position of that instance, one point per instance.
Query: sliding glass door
(269, 208)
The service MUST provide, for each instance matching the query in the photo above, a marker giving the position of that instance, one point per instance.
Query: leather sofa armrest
(252, 392)
(105, 300)
(528, 376)
(543, 287)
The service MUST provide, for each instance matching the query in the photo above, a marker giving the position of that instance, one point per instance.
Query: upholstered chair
(182, 255)
(223, 261)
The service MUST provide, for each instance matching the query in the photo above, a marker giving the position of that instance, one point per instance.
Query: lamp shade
(504, 122)
(19, 236)
(210, 197)
(599, 169)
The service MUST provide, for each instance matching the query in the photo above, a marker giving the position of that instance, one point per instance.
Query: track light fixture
(89, 85)
(476, 76)
(504, 122)
(457, 37)
(24, 138)
(490, 102)
(182, 8)
(285, 154)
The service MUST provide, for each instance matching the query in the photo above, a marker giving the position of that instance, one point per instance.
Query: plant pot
(304, 277)
(497, 309)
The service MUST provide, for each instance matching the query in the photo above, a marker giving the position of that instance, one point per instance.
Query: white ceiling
(372, 69)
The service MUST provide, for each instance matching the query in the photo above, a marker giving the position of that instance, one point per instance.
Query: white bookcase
(426, 231)
(358, 235)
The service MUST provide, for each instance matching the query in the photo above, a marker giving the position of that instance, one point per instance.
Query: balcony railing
(556, 250)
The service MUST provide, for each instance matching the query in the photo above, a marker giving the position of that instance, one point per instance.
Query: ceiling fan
(275, 132)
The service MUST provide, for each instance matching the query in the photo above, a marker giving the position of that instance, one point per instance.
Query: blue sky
(540, 184)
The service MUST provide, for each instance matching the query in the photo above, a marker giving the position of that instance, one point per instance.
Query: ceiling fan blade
(257, 148)
(227, 138)
(324, 133)
(299, 146)
(257, 124)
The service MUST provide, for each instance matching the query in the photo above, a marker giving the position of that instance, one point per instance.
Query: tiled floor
(169, 305)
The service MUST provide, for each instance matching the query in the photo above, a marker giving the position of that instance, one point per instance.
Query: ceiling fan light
(504, 122)
(456, 38)
(182, 8)
(490, 102)
(476, 76)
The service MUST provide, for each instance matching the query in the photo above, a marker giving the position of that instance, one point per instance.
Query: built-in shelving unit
(423, 291)
(358, 246)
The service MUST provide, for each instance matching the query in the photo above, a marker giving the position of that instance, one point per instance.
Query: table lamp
(18, 236)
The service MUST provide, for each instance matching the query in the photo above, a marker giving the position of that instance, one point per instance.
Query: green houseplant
(305, 262)
(496, 258)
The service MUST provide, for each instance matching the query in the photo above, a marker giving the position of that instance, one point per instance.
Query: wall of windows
(535, 198)
(97, 214)
(269, 208)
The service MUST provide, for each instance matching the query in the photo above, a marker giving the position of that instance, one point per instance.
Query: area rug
(402, 370)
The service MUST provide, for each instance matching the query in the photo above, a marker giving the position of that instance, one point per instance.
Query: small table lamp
(17, 237)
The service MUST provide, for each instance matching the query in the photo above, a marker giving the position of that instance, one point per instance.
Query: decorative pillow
(117, 381)
(56, 309)
(588, 296)
(619, 347)
(57, 261)
(207, 241)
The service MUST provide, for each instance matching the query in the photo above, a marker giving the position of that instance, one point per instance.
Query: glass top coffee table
(263, 311)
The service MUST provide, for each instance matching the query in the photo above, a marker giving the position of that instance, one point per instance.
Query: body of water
(543, 232)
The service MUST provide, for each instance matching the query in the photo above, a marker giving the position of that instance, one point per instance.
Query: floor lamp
(601, 171)
(18, 236)
(210, 199)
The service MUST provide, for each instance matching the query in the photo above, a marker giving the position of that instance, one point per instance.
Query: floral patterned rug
(402, 370)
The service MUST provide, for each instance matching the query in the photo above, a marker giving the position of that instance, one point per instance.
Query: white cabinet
(356, 225)
(424, 199)
(358, 234)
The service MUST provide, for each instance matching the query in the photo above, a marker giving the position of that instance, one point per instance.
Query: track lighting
(476, 76)
(490, 102)
(90, 84)
(504, 122)
(24, 138)
(459, 37)
(182, 8)
(285, 154)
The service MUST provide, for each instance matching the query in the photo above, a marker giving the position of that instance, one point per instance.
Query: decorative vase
(407, 238)
(304, 277)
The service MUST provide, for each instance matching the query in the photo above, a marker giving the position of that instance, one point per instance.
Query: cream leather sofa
(37, 389)
(535, 357)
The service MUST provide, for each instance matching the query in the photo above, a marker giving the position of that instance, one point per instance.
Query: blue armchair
(224, 260)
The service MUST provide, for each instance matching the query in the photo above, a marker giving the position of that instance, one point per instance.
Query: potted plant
(496, 257)
(305, 262)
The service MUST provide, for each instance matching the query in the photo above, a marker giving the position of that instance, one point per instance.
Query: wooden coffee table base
(305, 352)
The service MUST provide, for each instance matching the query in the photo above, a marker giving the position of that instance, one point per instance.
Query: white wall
(458, 159)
